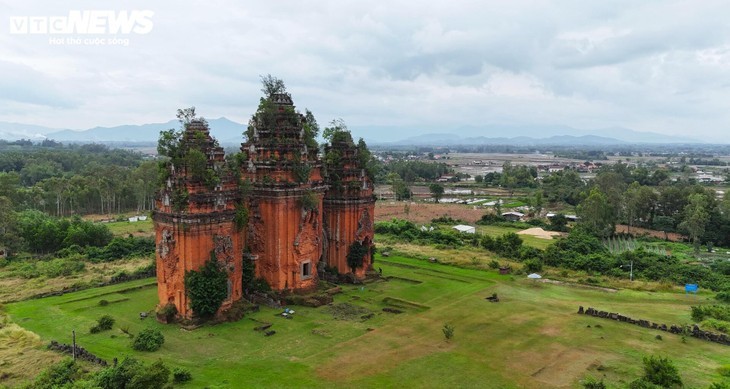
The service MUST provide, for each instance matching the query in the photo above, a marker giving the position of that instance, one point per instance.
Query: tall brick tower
(285, 212)
(194, 218)
(349, 206)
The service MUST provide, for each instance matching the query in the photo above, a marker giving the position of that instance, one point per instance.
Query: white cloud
(659, 66)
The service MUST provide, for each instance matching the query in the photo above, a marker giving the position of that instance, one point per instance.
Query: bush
(592, 383)
(58, 375)
(207, 288)
(148, 339)
(718, 312)
(180, 375)
(122, 248)
(723, 296)
(131, 373)
(448, 331)
(719, 385)
(104, 323)
(103, 303)
(662, 372)
(643, 383)
(533, 265)
(61, 267)
(719, 325)
(491, 218)
(45, 234)
(261, 285)
(169, 311)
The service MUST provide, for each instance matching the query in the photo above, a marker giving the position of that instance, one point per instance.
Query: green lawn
(529, 240)
(124, 228)
(532, 338)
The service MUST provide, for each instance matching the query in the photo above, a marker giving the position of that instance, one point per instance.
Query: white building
(464, 229)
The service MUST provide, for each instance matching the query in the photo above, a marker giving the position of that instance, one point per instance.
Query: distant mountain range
(528, 135)
(230, 132)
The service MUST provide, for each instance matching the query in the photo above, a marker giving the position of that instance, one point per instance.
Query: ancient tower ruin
(285, 214)
(348, 206)
(195, 218)
(276, 208)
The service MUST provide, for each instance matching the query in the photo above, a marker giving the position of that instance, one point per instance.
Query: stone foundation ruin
(693, 331)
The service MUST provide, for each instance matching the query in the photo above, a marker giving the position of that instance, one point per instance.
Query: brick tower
(195, 218)
(285, 207)
(349, 206)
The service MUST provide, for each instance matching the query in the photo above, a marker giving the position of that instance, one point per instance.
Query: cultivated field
(424, 212)
(532, 338)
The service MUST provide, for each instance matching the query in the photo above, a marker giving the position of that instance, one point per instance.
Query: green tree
(401, 191)
(186, 116)
(725, 205)
(336, 126)
(9, 235)
(559, 223)
(538, 203)
(664, 223)
(207, 288)
(564, 185)
(696, 217)
(632, 202)
(144, 180)
(311, 129)
(596, 214)
(613, 185)
(271, 85)
(437, 191)
(356, 254)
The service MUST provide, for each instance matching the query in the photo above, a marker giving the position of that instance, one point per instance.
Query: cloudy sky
(661, 66)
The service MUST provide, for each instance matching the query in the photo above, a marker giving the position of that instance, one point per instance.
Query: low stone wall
(264, 299)
(693, 331)
(81, 353)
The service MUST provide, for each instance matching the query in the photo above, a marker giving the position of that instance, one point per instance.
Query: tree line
(65, 180)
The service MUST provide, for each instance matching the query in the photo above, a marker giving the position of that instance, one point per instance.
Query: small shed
(464, 229)
(513, 216)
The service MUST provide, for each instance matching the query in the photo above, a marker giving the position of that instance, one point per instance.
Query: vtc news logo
(89, 22)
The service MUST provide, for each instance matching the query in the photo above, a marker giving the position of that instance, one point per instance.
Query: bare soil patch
(637, 231)
(539, 233)
(424, 213)
(562, 370)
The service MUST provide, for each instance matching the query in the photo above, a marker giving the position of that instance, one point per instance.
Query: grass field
(533, 338)
(529, 240)
(15, 288)
(125, 228)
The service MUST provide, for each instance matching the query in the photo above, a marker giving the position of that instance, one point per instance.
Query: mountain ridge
(228, 132)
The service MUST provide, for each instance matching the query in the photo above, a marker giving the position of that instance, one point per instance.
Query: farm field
(532, 338)
(424, 212)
